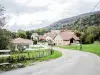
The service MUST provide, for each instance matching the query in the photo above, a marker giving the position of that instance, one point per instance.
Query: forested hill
(67, 22)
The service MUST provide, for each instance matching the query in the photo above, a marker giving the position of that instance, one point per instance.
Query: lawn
(94, 48)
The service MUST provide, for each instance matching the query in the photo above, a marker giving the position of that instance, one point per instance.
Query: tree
(2, 17)
(21, 34)
(91, 34)
(5, 35)
(21, 48)
(28, 33)
(93, 30)
(77, 33)
(13, 35)
(5, 38)
(40, 31)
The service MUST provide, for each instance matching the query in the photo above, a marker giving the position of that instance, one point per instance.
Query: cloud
(12, 6)
(32, 14)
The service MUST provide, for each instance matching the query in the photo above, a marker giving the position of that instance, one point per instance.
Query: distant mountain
(60, 23)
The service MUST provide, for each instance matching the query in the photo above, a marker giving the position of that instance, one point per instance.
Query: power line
(95, 6)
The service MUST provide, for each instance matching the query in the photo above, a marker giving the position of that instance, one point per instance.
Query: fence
(26, 56)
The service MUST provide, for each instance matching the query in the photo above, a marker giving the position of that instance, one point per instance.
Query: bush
(21, 48)
(89, 39)
(12, 47)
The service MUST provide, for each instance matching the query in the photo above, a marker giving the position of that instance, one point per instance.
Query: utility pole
(81, 35)
(81, 42)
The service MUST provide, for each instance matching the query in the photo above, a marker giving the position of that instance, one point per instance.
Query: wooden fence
(16, 58)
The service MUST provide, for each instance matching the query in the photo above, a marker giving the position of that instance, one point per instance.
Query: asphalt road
(71, 63)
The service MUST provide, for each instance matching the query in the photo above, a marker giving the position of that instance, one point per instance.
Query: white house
(34, 36)
(50, 36)
(20, 41)
(66, 38)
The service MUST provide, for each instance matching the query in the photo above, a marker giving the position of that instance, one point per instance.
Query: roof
(67, 35)
(41, 37)
(21, 41)
(52, 35)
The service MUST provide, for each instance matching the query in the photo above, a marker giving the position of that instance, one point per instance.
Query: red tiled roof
(67, 35)
(41, 37)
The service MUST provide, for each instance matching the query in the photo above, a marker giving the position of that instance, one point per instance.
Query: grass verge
(93, 48)
(55, 55)
(24, 63)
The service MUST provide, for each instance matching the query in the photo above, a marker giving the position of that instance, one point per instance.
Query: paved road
(71, 63)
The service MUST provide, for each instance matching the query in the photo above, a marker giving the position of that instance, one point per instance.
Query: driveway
(71, 63)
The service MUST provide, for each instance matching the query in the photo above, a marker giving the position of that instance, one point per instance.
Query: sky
(33, 14)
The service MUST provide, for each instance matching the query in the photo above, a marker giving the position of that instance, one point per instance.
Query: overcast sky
(33, 14)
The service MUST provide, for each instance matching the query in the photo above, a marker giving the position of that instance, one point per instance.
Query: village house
(66, 38)
(20, 41)
(49, 36)
(35, 38)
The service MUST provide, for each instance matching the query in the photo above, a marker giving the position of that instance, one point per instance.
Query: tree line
(6, 36)
(88, 27)
(27, 34)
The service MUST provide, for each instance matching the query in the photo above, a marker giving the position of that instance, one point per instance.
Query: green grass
(25, 53)
(55, 55)
(32, 54)
(94, 48)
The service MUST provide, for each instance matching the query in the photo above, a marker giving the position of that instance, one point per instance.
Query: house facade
(35, 37)
(49, 36)
(66, 38)
(20, 41)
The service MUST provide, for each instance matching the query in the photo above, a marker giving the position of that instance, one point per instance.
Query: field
(94, 48)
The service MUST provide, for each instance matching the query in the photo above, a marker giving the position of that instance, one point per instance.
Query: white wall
(58, 40)
(48, 38)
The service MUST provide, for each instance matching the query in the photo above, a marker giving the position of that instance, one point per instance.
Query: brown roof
(67, 35)
(21, 41)
(52, 35)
